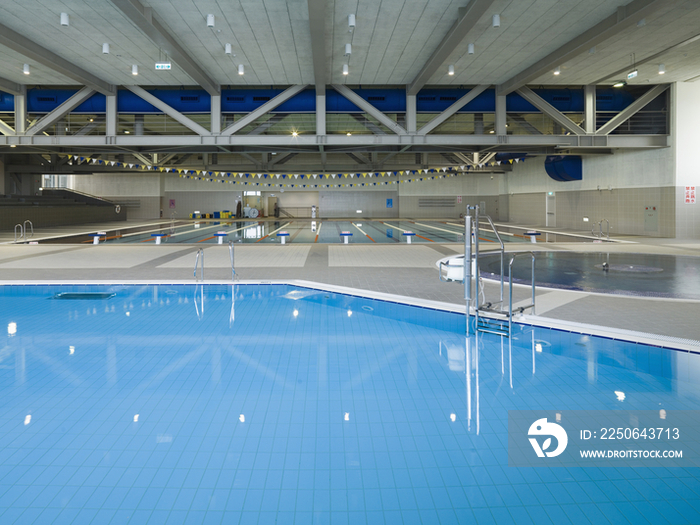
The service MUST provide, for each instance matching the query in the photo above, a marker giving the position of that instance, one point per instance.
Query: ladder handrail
(21, 232)
(25, 229)
(510, 289)
(196, 260)
(231, 255)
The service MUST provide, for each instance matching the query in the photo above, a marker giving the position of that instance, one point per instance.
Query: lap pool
(281, 404)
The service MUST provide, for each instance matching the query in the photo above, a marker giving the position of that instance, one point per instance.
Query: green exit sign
(162, 65)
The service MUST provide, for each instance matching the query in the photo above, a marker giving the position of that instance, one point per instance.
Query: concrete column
(216, 114)
(410, 113)
(111, 116)
(320, 114)
(500, 115)
(589, 108)
(21, 112)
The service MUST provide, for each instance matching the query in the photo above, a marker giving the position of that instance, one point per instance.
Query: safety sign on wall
(690, 195)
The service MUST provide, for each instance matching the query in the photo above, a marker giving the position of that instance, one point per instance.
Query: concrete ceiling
(391, 43)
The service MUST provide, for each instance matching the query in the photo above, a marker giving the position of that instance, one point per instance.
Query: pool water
(627, 273)
(278, 404)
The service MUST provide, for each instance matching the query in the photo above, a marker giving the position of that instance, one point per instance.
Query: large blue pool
(276, 404)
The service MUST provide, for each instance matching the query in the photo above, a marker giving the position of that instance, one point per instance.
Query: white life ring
(117, 208)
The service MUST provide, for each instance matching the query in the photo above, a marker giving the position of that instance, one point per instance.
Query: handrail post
(21, 232)
(196, 262)
(468, 264)
(476, 263)
(25, 229)
(230, 251)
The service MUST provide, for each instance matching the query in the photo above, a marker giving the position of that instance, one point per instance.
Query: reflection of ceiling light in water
(662, 414)
(136, 418)
(12, 328)
(347, 416)
(241, 418)
(71, 350)
(27, 419)
(620, 395)
(453, 417)
(538, 346)
(296, 313)
(349, 313)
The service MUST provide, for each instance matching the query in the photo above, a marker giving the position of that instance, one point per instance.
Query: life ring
(117, 208)
(461, 216)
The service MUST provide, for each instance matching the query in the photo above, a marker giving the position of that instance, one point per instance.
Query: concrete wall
(139, 193)
(372, 203)
(43, 216)
(685, 132)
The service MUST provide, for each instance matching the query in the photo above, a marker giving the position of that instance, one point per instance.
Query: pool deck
(398, 269)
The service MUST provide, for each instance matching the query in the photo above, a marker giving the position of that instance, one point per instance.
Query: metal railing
(23, 237)
(599, 233)
(234, 276)
(510, 289)
(200, 252)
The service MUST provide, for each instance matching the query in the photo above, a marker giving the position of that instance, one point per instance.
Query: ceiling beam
(362, 119)
(5, 129)
(10, 87)
(151, 26)
(623, 18)
(454, 108)
(466, 22)
(22, 45)
(265, 108)
(632, 109)
(549, 110)
(369, 108)
(274, 119)
(317, 28)
(61, 111)
(165, 108)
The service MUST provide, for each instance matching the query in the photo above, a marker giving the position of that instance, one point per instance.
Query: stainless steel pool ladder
(599, 233)
(234, 276)
(493, 309)
(200, 252)
(23, 237)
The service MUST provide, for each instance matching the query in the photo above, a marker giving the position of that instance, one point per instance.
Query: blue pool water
(276, 404)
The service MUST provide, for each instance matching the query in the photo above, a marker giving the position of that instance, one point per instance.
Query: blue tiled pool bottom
(275, 404)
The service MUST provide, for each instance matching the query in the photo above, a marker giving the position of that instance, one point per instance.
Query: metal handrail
(600, 229)
(196, 261)
(25, 229)
(231, 255)
(21, 232)
(510, 289)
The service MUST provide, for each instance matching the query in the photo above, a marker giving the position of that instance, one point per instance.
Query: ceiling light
(65, 19)
(470, 49)
(227, 49)
(294, 134)
(348, 134)
(13, 145)
(451, 70)
(557, 70)
(126, 132)
(348, 49)
(496, 20)
(105, 48)
(619, 84)
(662, 69)
(241, 69)
(134, 69)
(351, 22)
(346, 69)
(210, 20)
(491, 131)
(25, 69)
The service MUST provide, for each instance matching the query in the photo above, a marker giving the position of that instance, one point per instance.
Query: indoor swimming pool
(280, 404)
(619, 273)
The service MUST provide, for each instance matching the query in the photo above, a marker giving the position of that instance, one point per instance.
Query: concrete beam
(624, 17)
(61, 111)
(21, 111)
(369, 108)
(10, 87)
(589, 109)
(466, 22)
(151, 26)
(317, 30)
(265, 108)
(30, 49)
(165, 108)
(632, 109)
(5, 129)
(454, 108)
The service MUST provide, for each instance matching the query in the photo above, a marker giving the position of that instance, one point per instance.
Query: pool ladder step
(492, 326)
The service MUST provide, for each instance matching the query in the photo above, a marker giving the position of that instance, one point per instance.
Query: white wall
(686, 135)
(142, 188)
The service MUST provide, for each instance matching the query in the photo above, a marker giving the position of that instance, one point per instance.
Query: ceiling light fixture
(451, 70)
(227, 49)
(134, 69)
(662, 69)
(25, 69)
(619, 84)
(470, 49)
(349, 134)
(348, 49)
(210, 20)
(65, 20)
(346, 69)
(105, 48)
(351, 22)
(557, 70)
(241, 69)
(294, 134)
(496, 19)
